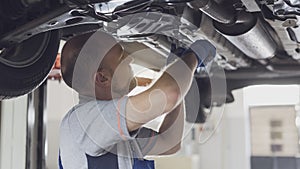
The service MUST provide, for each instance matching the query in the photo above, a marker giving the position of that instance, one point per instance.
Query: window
(276, 135)
(275, 123)
(276, 148)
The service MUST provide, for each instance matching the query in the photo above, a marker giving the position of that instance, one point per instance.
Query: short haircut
(81, 57)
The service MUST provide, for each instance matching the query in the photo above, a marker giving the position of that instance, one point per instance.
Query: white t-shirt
(94, 127)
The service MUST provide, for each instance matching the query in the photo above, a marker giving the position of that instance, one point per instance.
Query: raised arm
(169, 90)
(164, 95)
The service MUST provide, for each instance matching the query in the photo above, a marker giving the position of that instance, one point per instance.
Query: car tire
(24, 66)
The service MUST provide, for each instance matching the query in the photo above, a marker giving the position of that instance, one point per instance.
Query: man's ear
(102, 78)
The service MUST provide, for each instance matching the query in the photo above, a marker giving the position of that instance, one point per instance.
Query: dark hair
(81, 57)
(69, 55)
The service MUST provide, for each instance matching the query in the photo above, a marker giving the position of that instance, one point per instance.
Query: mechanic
(105, 130)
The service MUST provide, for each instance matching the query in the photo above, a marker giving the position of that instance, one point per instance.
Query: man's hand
(203, 50)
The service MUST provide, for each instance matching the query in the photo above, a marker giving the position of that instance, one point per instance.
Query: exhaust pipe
(242, 29)
(250, 36)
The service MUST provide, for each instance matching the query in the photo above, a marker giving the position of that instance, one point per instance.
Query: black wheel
(25, 66)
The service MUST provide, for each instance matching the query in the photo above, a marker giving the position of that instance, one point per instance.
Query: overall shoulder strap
(106, 161)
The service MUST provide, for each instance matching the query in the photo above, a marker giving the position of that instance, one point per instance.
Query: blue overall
(110, 161)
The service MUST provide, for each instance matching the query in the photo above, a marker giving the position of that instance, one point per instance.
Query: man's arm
(165, 94)
(170, 133)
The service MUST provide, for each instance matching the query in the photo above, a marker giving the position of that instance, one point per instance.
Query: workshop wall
(60, 99)
(13, 133)
(230, 147)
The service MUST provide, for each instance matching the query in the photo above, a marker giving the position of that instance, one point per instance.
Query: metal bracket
(251, 5)
(286, 7)
(61, 18)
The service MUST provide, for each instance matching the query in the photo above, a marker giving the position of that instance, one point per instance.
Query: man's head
(94, 64)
